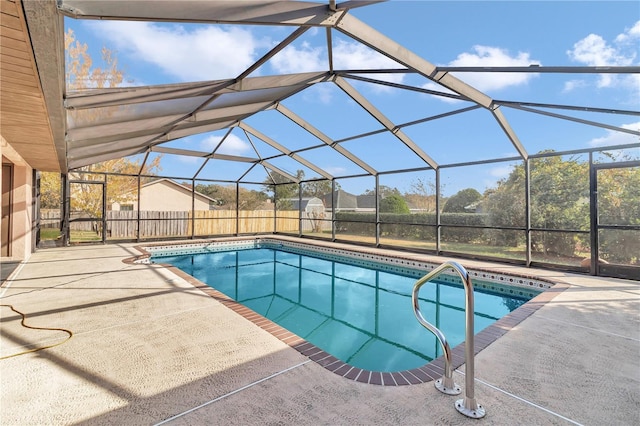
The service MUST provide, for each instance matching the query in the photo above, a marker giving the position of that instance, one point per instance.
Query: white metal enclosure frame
(95, 125)
(142, 119)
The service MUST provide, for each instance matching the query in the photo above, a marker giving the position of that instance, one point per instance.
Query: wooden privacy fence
(158, 224)
(207, 222)
(221, 222)
(50, 218)
(217, 222)
(154, 224)
(123, 224)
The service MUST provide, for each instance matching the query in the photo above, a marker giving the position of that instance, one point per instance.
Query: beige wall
(21, 235)
(166, 196)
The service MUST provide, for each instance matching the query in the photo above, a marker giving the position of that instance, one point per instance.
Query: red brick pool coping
(428, 372)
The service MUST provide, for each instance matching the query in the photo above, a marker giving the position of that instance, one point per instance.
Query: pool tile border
(426, 373)
(396, 262)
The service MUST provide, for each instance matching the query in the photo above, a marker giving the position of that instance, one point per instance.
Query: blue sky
(446, 33)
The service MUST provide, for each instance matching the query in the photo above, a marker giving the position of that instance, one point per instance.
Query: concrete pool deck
(148, 347)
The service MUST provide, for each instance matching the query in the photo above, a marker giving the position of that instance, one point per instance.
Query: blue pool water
(361, 315)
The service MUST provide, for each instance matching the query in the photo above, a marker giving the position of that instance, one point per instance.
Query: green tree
(283, 189)
(82, 73)
(383, 191)
(559, 201)
(505, 206)
(225, 195)
(122, 184)
(50, 190)
(461, 200)
(619, 204)
(422, 195)
(317, 188)
(394, 203)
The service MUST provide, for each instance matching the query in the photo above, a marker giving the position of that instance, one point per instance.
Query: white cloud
(346, 55)
(304, 59)
(350, 55)
(593, 50)
(322, 93)
(487, 56)
(232, 145)
(204, 53)
(358, 56)
(335, 170)
(612, 138)
(629, 35)
(573, 85)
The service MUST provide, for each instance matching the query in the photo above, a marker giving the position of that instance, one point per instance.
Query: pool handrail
(467, 406)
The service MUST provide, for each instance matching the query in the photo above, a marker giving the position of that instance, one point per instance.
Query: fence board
(157, 224)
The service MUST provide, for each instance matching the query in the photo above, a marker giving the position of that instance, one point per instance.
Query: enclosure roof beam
(228, 157)
(157, 128)
(382, 119)
(358, 30)
(98, 98)
(246, 172)
(506, 127)
(577, 120)
(256, 12)
(516, 104)
(404, 87)
(161, 124)
(116, 96)
(201, 154)
(177, 151)
(200, 113)
(377, 41)
(188, 129)
(439, 116)
(123, 137)
(74, 164)
(284, 150)
(410, 123)
(324, 138)
(279, 171)
(81, 161)
(539, 69)
(532, 69)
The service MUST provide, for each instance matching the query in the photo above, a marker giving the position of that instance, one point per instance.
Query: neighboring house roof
(366, 201)
(343, 200)
(307, 203)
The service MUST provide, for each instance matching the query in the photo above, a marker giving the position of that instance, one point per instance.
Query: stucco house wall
(20, 238)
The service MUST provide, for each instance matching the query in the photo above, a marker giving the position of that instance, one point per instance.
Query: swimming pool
(357, 309)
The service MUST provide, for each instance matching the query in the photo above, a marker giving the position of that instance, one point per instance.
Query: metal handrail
(467, 406)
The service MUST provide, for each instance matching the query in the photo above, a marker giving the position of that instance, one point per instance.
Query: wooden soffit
(24, 117)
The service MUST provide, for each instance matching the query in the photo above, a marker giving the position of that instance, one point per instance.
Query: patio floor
(149, 348)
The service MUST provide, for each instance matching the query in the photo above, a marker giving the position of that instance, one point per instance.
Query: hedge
(394, 224)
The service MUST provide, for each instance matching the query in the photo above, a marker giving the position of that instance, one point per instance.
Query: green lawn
(83, 236)
(49, 233)
(501, 252)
